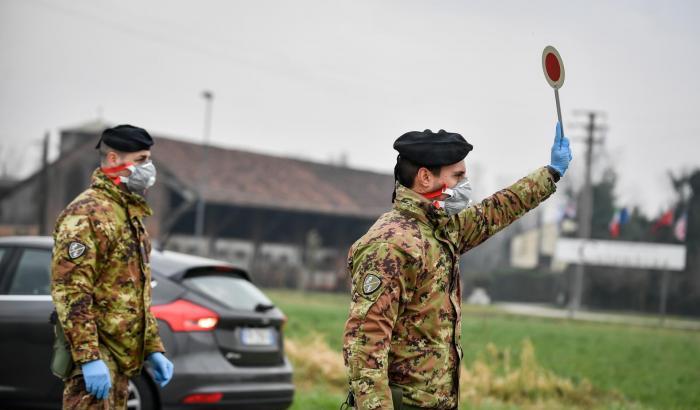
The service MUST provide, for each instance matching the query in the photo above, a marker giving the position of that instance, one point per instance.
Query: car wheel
(140, 395)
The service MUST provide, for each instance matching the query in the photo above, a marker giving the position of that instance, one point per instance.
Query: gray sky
(315, 79)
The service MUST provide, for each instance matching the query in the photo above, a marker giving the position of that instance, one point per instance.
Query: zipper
(453, 279)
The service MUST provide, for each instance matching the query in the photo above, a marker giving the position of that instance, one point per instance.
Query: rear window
(232, 292)
(33, 274)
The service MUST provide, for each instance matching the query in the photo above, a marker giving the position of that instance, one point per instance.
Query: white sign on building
(640, 255)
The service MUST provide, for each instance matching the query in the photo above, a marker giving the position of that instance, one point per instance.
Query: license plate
(257, 336)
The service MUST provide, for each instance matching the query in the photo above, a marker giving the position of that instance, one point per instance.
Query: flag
(614, 225)
(620, 217)
(624, 216)
(681, 225)
(665, 220)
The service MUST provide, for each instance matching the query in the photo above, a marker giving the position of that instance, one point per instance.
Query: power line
(288, 69)
(181, 45)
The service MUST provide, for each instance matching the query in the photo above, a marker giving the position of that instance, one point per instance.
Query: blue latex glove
(97, 380)
(162, 368)
(561, 153)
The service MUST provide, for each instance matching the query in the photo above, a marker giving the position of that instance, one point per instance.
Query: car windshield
(232, 292)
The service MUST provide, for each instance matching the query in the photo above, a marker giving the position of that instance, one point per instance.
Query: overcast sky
(319, 79)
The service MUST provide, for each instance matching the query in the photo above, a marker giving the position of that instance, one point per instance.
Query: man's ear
(423, 179)
(112, 159)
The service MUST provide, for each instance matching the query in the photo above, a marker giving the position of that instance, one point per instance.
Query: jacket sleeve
(477, 223)
(383, 277)
(75, 262)
(153, 342)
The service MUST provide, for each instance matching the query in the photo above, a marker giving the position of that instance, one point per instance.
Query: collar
(135, 204)
(419, 207)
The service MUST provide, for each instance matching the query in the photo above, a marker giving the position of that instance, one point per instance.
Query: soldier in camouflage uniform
(402, 338)
(101, 276)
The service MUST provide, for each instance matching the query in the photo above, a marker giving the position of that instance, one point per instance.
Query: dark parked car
(221, 332)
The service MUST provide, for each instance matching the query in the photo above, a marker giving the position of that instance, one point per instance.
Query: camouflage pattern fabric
(101, 276)
(76, 397)
(404, 326)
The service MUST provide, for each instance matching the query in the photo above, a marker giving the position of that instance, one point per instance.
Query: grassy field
(626, 366)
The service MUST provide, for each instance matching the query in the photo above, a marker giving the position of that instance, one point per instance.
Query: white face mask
(458, 198)
(142, 177)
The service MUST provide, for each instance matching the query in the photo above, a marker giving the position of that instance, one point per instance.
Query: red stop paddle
(553, 69)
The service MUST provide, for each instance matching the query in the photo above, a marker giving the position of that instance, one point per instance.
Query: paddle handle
(561, 122)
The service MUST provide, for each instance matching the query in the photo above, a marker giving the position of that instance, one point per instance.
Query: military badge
(371, 283)
(76, 250)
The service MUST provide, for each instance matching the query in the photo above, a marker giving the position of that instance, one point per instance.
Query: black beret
(432, 149)
(126, 138)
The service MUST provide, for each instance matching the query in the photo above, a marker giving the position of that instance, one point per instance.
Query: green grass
(322, 313)
(659, 368)
(316, 399)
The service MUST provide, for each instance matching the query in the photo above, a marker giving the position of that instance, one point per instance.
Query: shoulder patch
(76, 249)
(371, 284)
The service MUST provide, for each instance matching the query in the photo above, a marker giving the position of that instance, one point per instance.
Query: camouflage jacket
(404, 326)
(101, 276)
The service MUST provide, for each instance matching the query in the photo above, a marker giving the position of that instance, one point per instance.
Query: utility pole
(203, 166)
(585, 207)
(44, 187)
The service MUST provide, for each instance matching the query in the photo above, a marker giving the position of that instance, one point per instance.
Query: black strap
(349, 402)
